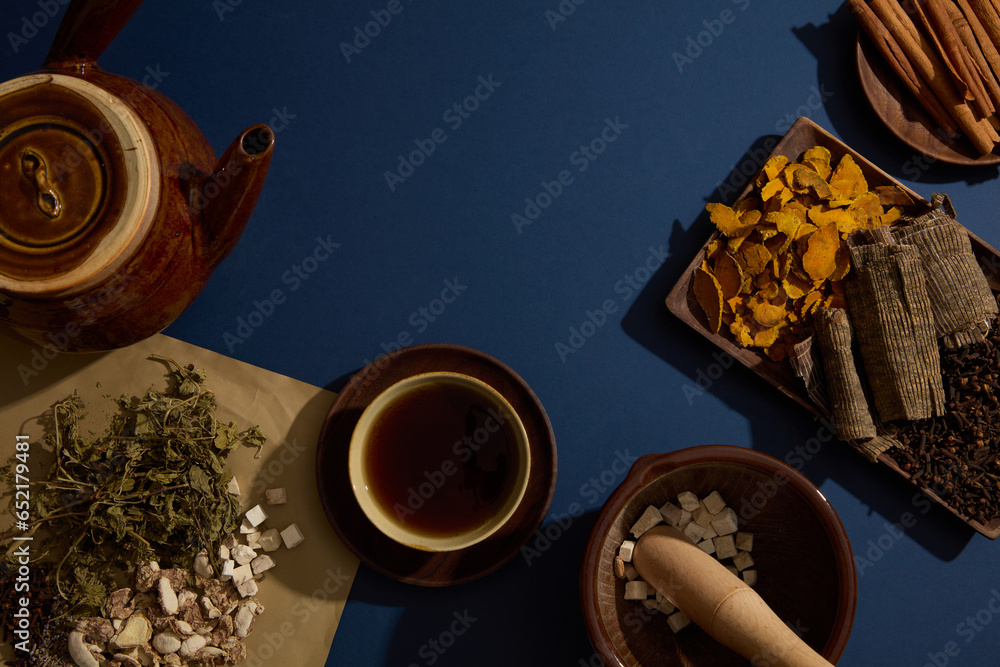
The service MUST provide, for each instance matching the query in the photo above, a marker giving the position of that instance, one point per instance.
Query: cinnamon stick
(988, 17)
(979, 131)
(898, 62)
(954, 49)
(967, 33)
(986, 44)
(934, 41)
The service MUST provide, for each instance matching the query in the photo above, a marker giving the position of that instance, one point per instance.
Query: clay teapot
(114, 210)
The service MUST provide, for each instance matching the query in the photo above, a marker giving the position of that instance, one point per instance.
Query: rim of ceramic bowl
(373, 509)
(649, 468)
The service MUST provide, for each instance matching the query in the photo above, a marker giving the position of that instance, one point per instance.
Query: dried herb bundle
(153, 487)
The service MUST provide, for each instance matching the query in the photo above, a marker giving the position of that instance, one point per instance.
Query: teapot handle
(87, 28)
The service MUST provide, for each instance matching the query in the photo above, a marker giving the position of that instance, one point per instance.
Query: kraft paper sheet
(305, 594)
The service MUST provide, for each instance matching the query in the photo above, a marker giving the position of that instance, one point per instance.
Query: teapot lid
(77, 177)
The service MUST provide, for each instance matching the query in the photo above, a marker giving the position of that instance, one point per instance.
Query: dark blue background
(684, 128)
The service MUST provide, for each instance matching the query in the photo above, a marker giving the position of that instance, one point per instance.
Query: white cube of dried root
(270, 539)
(223, 552)
(694, 531)
(665, 606)
(649, 603)
(261, 563)
(246, 527)
(725, 546)
(725, 522)
(671, 513)
(233, 486)
(708, 546)
(702, 516)
(678, 621)
(253, 540)
(619, 567)
(650, 517)
(744, 541)
(241, 574)
(626, 549)
(247, 589)
(714, 503)
(709, 533)
(276, 496)
(684, 520)
(636, 590)
(292, 536)
(255, 515)
(226, 569)
(743, 560)
(688, 501)
(750, 577)
(732, 568)
(630, 572)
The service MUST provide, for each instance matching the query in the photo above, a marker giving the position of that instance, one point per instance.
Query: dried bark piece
(895, 330)
(848, 404)
(805, 363)
(960, 296)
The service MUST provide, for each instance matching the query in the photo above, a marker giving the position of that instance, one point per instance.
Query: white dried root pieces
(177, 618)
(709, 523)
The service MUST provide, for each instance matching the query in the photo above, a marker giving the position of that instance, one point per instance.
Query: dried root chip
(729, 274)
(709, 294)
(771, 169)
(821, 215)
(807, 181)
(770, 189)
(728, 222)
(847, 182)
(867, 211)
(818, 159)
(753, 257)
(893, 195)
(766, 314)
(820, 260)
(843, 266)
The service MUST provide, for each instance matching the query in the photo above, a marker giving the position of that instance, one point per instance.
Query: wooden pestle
(721, 603)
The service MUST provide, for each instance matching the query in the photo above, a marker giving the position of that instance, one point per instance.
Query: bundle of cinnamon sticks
(947, 53)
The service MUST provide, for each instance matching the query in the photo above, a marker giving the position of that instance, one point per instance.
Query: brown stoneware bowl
(802, 555)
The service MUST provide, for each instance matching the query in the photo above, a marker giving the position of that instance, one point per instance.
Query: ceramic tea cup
(439, 461)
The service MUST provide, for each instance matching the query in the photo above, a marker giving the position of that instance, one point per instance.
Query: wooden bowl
(802, 553)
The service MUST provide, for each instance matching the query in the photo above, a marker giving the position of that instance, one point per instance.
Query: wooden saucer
(380, 552)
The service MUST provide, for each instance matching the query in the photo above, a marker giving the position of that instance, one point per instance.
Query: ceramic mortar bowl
(802, 555)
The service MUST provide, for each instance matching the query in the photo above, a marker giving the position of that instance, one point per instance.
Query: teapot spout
(226, 198)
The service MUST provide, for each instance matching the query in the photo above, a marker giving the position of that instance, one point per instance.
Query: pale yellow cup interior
(386, 521)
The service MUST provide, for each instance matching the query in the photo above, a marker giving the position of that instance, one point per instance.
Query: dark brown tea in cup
(442, 459)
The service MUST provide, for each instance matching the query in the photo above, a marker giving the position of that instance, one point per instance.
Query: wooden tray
(681, 302)
(904, 116)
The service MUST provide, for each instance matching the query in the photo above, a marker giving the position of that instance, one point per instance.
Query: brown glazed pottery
(113, 207)
(802, 555)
